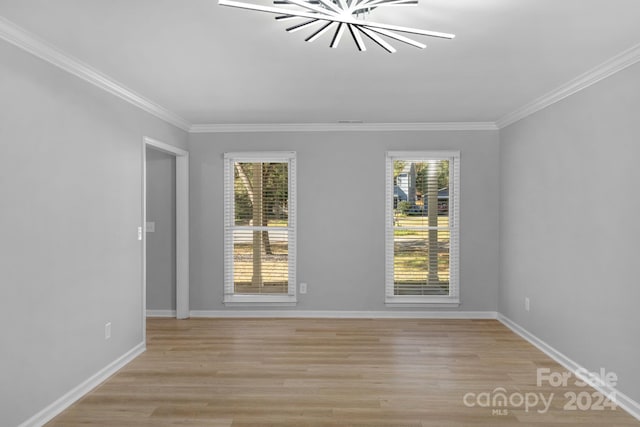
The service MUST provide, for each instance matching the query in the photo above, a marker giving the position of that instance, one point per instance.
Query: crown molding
(340, 127)
(21, 38)
(583, 81)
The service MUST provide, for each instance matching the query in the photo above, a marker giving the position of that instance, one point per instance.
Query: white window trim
(240, 300)
(453, 299)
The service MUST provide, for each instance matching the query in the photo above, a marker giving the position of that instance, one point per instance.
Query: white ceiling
(217, 65)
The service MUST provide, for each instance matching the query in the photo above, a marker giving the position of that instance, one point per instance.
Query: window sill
(421, 301)
(260, 300)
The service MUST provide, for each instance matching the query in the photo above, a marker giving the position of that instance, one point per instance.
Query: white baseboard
(335, 314)
(161, 313)
(85, 387)
(621, 399)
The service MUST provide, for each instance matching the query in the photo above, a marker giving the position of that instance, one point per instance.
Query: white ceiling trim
(21, 38)
(340, 127)
(38, 47)
(583, 81)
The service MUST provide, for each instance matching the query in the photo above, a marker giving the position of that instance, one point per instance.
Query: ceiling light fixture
(342, 15)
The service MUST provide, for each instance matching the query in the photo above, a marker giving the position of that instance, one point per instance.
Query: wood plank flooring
(331, 372)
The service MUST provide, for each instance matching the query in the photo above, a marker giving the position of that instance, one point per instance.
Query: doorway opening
(174, 226)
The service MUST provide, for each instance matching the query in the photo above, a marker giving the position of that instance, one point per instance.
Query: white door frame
(182, 227)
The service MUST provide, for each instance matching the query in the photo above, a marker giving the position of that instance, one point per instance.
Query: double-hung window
(422, 227)
(259, 228)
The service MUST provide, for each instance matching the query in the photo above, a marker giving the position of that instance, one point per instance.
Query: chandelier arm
(381, 3)
(398, 37)
(309, 6)
(337, 35)
(302, 26)
(403, 29)
(331, 5)
(357, 38)
(320, 32)
(366, 3)
(377, 39)
(369, 4)
(360, 4)
(285, 17)
(343, 4)
(271, 9)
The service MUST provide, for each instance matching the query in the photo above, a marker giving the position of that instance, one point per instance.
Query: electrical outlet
(107, 330)
(527, 305)
(303, 288)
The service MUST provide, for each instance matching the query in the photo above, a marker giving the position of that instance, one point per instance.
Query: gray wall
(161, 244)
(70, 173)
(570, 228)
(341, 213)
(70, 261)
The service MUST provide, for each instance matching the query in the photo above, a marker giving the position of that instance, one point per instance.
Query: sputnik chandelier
(341, 15)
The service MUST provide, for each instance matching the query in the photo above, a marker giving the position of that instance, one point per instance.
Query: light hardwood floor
(330, 372)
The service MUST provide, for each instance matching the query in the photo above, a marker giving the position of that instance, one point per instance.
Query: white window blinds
(422, 227)
(259, 227)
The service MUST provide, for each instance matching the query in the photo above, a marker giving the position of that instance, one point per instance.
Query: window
(422, 223)
(259, 228)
